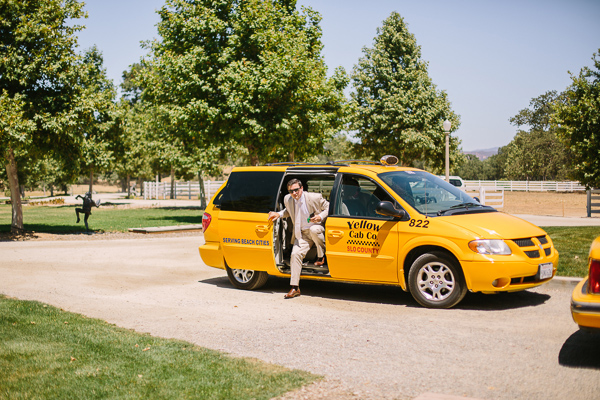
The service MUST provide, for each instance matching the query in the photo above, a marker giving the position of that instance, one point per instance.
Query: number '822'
(418, 223)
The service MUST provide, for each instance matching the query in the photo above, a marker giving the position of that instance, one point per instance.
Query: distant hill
(484, 153)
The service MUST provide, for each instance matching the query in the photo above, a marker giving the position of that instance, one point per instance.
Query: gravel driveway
(370, 342)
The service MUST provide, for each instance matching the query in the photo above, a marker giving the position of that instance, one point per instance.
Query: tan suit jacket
(315, 203)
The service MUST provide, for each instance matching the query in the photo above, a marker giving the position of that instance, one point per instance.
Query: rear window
(251, 191)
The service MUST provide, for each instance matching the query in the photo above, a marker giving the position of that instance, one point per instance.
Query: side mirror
(386, 208)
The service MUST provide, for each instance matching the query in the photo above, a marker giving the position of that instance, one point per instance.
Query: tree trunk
(128, 185)
(291, 156)
(91, 180)
(16, 226)
(253, 156)
(202, 194)
(172, 182)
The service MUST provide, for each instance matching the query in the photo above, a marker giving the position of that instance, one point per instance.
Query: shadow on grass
(33, 232)
(62, 229)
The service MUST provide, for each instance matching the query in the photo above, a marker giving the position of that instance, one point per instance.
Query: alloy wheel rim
(436, 281)
(243, 275)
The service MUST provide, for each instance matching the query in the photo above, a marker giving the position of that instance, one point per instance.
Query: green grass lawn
(573, 244)
(47, 353)
(62, 219)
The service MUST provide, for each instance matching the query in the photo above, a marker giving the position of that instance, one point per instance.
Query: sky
(490, 57)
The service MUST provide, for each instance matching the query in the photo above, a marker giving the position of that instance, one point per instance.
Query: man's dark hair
(294, 181)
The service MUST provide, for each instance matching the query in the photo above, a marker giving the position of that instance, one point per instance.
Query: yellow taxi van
(387, 225)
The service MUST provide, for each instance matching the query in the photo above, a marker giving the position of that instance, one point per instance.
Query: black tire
(435, 281)
(246, 278)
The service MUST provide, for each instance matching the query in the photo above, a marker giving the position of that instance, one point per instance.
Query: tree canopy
(578, 123)
(537, 153)
(250, 72)
(395, 107)
(47, 90)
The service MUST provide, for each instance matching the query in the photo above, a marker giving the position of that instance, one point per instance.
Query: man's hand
(273, 215)
(316, 219)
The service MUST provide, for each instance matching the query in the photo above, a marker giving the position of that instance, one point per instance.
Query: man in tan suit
(307, 212)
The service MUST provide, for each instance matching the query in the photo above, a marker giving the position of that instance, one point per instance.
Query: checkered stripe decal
(364, 243)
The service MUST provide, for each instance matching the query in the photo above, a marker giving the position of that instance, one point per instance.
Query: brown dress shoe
(292, 293)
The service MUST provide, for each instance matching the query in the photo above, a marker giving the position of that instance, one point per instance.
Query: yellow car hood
(495, 225)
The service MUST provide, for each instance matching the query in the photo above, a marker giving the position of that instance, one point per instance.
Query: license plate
(545, 271)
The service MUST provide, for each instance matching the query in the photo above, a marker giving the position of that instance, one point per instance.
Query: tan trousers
(310, 237)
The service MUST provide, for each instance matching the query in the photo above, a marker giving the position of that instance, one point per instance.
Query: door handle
(335, 234)
(262, 228)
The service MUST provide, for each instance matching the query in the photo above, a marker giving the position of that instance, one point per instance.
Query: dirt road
(370, 342)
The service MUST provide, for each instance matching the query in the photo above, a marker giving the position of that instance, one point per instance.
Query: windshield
(427, 193)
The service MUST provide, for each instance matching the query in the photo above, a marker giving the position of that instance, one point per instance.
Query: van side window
(322, 185)
(251, 191)
(358, 197)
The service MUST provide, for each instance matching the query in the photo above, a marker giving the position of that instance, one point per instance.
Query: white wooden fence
(488, 197)
(526, 186)
(183, 190)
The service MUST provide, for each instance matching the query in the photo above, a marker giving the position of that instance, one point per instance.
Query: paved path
(547, 220)
(372, 342)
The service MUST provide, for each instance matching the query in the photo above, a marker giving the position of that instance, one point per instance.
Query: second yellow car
(585, 301)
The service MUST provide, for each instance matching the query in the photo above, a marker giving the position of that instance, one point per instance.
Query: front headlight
(490, 246)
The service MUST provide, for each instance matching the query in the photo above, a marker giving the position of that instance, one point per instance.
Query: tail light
(206, 218)
(594, 278)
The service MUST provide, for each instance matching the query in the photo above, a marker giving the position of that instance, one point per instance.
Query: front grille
(542, 239)
(526, 242)
(523, 279)
(533, 254)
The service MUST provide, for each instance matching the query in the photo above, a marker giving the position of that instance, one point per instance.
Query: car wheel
(246, 278)
(436, 282)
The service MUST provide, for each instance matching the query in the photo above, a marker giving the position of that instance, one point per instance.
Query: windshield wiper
(461, 205)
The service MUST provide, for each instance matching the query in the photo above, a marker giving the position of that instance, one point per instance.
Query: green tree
(131, 91)
(578, 123)
(15, 131)
(495, 165)
(96, 119)
(538, 115)
(244, 72)
(39, 84)
(148, 143)
(472, 168)
(395, 107)
(537, 153)
(133, 125)
(337, 148)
